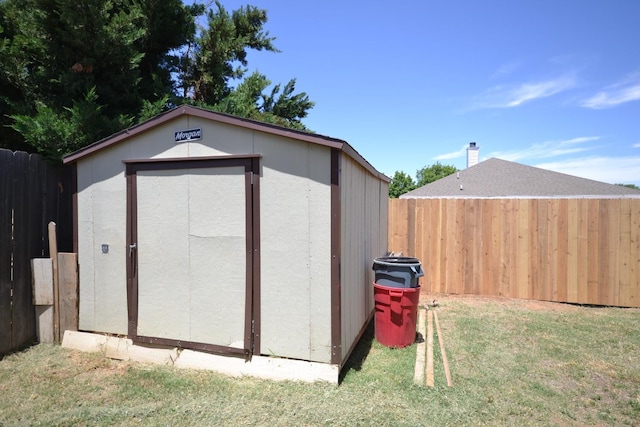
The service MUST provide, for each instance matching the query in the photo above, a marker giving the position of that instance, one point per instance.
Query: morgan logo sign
(187, 135)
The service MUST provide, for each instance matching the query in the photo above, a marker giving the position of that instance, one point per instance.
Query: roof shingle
(501, 178)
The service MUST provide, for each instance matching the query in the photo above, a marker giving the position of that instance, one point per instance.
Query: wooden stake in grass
(418, 375)
(444, 354)
(430, 379)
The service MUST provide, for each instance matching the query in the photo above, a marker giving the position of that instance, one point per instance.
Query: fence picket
(6, 197)
(23, 317)
(576, 250)
(32, 190)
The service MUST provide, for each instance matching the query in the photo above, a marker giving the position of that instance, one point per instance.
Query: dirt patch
(97, 365)
(478, 300)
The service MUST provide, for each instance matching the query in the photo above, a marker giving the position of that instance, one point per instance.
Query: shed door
(191, 250)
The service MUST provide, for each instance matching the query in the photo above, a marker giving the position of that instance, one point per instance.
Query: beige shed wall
(295, 203)
(364, 237)
(102, 195)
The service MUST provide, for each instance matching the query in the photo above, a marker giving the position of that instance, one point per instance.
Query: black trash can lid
(395, 260)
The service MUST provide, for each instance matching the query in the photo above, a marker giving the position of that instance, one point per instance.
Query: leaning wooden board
(68, 291)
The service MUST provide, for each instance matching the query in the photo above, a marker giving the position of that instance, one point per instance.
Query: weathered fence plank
(568, 250)
(6, 202)
(44, 323)
(31, 195)
(68, 293)
(23, 318)
(42, 272)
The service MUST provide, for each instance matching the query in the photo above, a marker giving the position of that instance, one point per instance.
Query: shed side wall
(364, 237)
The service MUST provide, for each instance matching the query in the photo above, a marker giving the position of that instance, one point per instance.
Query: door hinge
(251, 178)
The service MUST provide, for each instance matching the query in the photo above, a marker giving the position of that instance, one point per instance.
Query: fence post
(53, 253)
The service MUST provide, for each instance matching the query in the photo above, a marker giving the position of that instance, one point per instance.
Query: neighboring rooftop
(502, 178)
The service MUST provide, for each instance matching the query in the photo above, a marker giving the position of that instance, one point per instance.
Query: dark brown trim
(191, 162)
(251, 164)
(336, 233)
(255, 215)
(181, 160)
(210, 348)
(132, 262)
(188, 110)
(263, 127)
(248, 301)
(74, 205)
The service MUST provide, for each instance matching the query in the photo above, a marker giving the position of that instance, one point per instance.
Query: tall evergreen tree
(72, 72)
(280, 108)
(76, 66)
(219, 53)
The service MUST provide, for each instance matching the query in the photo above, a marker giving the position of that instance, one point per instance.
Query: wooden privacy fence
(32, 193)
(577, 250)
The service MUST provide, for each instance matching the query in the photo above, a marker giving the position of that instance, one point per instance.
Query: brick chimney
(472, 154)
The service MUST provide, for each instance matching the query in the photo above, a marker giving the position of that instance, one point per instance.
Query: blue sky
(547, 83)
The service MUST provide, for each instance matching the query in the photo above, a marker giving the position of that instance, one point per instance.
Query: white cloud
(636, 145)
(626, 91)
(530, 91)
(541, 150)
(509, 96)
(506, 69)
(613, 98)
(548, 149)
(453, 155)
(614, 170)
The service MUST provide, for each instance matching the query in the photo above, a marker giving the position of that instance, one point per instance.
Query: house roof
(222, 118)
(502, 178)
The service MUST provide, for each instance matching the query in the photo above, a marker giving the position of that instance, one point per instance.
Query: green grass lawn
(513, 363)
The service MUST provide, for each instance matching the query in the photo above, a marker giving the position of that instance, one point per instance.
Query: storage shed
(209, 232)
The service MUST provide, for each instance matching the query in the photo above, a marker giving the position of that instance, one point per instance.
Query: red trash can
(396, 315)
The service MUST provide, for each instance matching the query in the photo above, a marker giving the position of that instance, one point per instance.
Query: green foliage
(429, 174)
(635, 187)
(73, 72)
(287, 105)
(152, 109)
(170, 26)
(53, 133)
(248, 100)
(403, 183)
(400, 183)
(47, 131)
(219, 54)
(62, 49)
